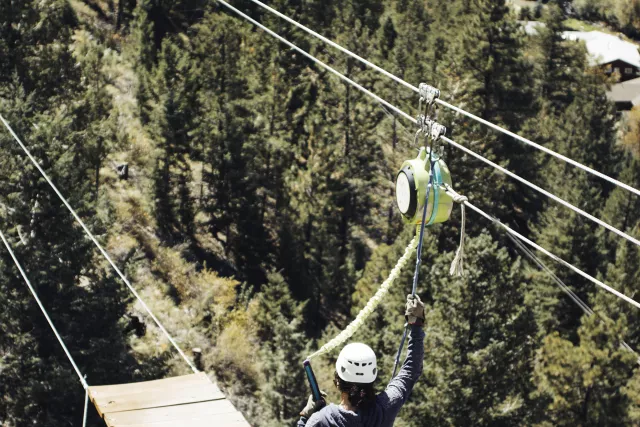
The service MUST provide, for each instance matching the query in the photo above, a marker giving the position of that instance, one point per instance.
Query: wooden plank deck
(186, 401)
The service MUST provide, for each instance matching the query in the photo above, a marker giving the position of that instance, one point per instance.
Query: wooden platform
(186, 401)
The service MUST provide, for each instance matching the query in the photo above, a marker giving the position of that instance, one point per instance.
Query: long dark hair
(360, 396)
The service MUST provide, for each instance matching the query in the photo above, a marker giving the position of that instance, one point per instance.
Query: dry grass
(197, 307)
(235, 355)
(84, 12)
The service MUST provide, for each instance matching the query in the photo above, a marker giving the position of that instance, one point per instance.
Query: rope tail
(372, 304)
(457, 266)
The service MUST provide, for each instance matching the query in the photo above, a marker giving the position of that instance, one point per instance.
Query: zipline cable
(451, 106)
(566, 289)
(554, 257)
(402, 113)
(449, 141)
(86, 406)
(100, 248)
(44, 311)
(317, 61)
(336, 45)
(474, 117)
(545, 192)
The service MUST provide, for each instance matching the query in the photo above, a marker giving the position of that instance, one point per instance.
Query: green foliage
(583, 384)
(619, 208)
(259, 215)
(556, 63)
(625, 275)
(32, 31)
(93, 111)
(479, 342)
(86, 303)
(278, 316)
(623, 15)
(169, 124)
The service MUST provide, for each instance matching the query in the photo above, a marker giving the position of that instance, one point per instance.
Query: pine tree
(582, 384)
(620, 208)
(278, 315)
(141, 52)
(93, 111)
(170, 125)
(632, 392)
(491, 77)
(572, 238)
(54, 110)
(85, 303)
(557, 61)
(23, 44)
(623, 275)
(226, 130)
(478, 343)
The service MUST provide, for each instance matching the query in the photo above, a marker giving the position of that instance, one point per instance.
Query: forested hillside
(258, 214)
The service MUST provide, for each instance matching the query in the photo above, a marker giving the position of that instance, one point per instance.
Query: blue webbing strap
(419, 255)
(436, 183)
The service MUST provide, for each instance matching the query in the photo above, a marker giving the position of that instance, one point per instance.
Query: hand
(415, 310)
(314, 406)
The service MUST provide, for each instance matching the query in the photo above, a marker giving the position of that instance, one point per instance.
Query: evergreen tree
(30, 31)
(572, 238)
(478, 343)
(93, 110)
(170, 125)
(227, 132)
(582, 384)
(623, 275)
(84, 302)
(557, 63)
(54, 95)
(491, 77)
(620, 208)
(277, 316)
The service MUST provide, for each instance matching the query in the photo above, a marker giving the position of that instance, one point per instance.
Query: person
(356, 371)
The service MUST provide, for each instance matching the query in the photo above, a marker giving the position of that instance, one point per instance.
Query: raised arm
(399, 388)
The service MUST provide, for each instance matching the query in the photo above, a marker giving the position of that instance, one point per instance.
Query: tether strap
(436, 182)
(416, 274)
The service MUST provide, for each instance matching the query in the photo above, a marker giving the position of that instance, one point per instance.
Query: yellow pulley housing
(411, 185)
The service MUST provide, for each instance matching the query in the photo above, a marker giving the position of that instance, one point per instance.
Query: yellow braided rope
(371, 305)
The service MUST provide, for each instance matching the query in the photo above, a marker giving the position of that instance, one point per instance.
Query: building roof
(628, 91)
(605, 48)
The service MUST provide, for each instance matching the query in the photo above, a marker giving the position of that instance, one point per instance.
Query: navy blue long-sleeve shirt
(387, 403)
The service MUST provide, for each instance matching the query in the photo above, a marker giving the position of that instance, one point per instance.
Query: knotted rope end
(457, 266)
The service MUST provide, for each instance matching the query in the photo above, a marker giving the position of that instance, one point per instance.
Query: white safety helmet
(357, 364)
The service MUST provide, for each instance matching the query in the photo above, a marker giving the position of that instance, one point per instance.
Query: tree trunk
(347, 113)
(98, 166)
(266, 188)
(204, 160)
(120, 14)
(395, 133)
